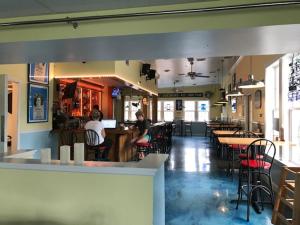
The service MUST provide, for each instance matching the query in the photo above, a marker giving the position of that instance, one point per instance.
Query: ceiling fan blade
(198, 74)
(203, 76)
(181, 74)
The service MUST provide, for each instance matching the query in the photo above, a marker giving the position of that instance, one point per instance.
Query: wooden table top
(223, 125)
(230, 132)
(236, 140)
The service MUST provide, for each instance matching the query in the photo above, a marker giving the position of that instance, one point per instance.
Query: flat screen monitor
(109, 123)
(69, 90)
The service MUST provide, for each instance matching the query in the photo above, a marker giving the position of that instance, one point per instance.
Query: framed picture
(38, 73)
(257, 99)
(178, 105)
(37, 103)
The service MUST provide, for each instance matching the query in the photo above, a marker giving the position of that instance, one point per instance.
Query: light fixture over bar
(251, 83)
(234, 93)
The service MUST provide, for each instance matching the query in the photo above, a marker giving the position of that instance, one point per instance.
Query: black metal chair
(258, 164)
(91, 138)
(188, 128)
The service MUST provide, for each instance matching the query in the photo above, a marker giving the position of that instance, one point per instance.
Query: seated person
(96, 125)
(143, 126)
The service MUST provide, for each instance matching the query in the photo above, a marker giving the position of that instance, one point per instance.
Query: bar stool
(145, 147)
(239, 149)
(258, 163)
(188, 128)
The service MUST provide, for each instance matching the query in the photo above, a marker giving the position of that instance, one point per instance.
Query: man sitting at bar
(143, 126)
(96, 125)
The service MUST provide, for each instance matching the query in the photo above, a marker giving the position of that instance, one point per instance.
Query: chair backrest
(91, 138)
(245, 134)
(67, 137)
(261, 150)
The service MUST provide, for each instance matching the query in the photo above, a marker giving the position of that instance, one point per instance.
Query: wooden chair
(90, 138)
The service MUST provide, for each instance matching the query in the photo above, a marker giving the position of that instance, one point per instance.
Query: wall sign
(180, 95)
(294, 80)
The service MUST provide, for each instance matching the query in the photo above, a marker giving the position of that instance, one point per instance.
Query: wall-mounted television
(69, 90)
(116, 92)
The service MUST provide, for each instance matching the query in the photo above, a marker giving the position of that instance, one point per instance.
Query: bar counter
(121, 149)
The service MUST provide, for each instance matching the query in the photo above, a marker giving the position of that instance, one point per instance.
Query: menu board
(294, 80)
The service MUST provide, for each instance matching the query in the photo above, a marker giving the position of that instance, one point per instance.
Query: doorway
(12, 116)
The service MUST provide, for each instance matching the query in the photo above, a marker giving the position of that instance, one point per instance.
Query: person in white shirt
(96, 125)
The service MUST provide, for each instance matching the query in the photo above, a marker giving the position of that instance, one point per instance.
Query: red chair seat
(244, 156)
(238, 147)
(144, 145)
(255, 164)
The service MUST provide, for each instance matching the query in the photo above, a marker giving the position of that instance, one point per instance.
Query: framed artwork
(178, 105)
(37, 103)
(257, 99)
(38, 73)
(233, 105)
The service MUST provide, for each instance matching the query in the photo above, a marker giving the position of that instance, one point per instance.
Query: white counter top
(24, 161)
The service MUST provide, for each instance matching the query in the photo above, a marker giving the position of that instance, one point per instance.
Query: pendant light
(216, 103)
(235, 92)
(222, 99)
(251, 82)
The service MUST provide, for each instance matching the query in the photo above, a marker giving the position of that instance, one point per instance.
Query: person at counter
(143, 125)
(96, 125)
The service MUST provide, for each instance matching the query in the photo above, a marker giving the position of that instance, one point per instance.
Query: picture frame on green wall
(37, 103)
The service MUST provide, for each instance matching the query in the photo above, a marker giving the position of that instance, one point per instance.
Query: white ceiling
(207, 66)
(16, 8)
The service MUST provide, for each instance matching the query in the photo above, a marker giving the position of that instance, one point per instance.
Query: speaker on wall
(145, 69)
(151, 75)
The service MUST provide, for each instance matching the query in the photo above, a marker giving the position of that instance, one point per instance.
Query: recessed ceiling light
(167, 70)
(201, 59)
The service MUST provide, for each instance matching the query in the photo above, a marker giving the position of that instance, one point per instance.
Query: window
(159, 116)
(203, 111)
(196, 111)
(189, 110)
(165, 110)
(131, 107)
(168, 110)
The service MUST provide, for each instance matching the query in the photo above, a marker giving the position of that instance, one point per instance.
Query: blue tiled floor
(198, 191)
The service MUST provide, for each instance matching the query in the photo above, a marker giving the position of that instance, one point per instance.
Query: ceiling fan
(192, 74)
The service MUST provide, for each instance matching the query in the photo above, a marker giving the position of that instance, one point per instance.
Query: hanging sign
(180, 95)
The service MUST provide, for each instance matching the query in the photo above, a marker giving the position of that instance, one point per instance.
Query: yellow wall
(214, 111)
(259, 64)
(84, 69)
(18, 73)
(40, 197)
(129, 73)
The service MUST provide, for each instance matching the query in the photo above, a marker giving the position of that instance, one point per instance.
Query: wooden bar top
(230, 132)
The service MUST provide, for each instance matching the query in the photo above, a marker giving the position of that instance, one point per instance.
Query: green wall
(62, 198)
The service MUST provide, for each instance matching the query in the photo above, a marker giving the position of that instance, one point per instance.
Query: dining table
(229, 133)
